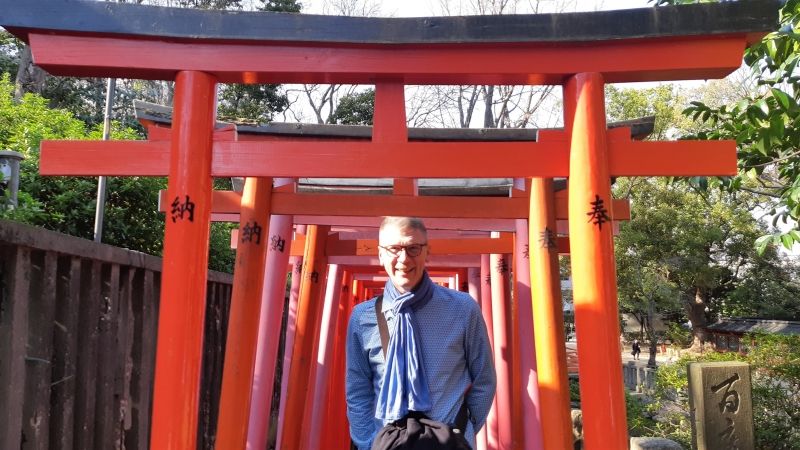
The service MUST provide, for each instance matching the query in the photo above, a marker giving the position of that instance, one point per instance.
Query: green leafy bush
(67, 204)
(775, 363)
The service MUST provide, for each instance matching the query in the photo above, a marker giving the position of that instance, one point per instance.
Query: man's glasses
(412, 250)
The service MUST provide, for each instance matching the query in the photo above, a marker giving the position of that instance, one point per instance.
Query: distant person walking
(636, 349)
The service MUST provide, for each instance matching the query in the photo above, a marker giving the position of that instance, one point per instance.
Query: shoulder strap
(383, 329)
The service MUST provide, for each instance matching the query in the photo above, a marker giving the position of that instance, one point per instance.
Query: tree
(765, 124)
(355, 109)
(700, 245)
(287, 6)
(66, 204)
(664, 102)
(646, 292)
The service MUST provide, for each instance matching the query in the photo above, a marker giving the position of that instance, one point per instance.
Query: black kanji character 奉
(502, 266)
(547, 239)
(599, 214)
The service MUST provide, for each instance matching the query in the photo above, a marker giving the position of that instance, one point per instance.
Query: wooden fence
(78, 323)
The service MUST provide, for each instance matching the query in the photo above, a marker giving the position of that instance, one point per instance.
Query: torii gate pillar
(183, 288)
(593, 267)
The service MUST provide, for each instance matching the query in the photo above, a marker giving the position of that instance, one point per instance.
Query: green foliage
(679, 335)
(250, 102)
(765, 125)
(664, 102)
(83, 97)
(775, 364)
(211, 4)
(221, 256)
(688, 255)
(288, 6)
(574, 391)
(255, 102)
(640, 420)
(355, 109)
(67, 204)
(9, 52)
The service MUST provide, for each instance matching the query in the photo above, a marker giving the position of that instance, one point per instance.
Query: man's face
(404, 270)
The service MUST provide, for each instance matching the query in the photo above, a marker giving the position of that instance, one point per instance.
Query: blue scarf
(405, 386)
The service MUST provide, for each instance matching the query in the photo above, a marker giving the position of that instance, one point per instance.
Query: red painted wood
(325, 391)
(593, 269)
(503, 355)
(339, 159)
(183, 288)
(680, 58)
(336, 427)
(245, 312)
(269, 329)
(291, 331)
(547, 307)
(308, 314)
(390, 113)
(226, 202)
(530, 424)
(488, 317)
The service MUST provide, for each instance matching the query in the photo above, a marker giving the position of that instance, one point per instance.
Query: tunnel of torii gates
(199, 49)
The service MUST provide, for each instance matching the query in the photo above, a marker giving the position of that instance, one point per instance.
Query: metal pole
(100, 208)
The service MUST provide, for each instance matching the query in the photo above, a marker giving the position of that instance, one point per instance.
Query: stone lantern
(9, 176)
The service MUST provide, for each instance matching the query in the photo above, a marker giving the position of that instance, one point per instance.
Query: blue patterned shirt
(455, 351)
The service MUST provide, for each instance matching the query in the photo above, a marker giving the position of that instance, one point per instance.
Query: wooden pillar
(474, 283)
(593, 270)
(185, 268)
(269, 329)
(318, 406)
(318, 293)
(307, 317)
(528, 375)
(463, 282)
(291, 327)
(336, 427)
(502, 348)
(551, 355)
(488, 317)
(245, 310)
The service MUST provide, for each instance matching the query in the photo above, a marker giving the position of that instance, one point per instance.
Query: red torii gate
(226, 206)
(581, 52)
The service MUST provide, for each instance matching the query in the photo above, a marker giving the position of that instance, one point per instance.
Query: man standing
(438, 347)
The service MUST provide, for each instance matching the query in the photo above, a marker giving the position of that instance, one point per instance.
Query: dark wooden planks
(218, 298)
(78, 324)
(107, 419)
(14, 284)
(144, 304)
(65, 351)
(88, 327)
(38, 359)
